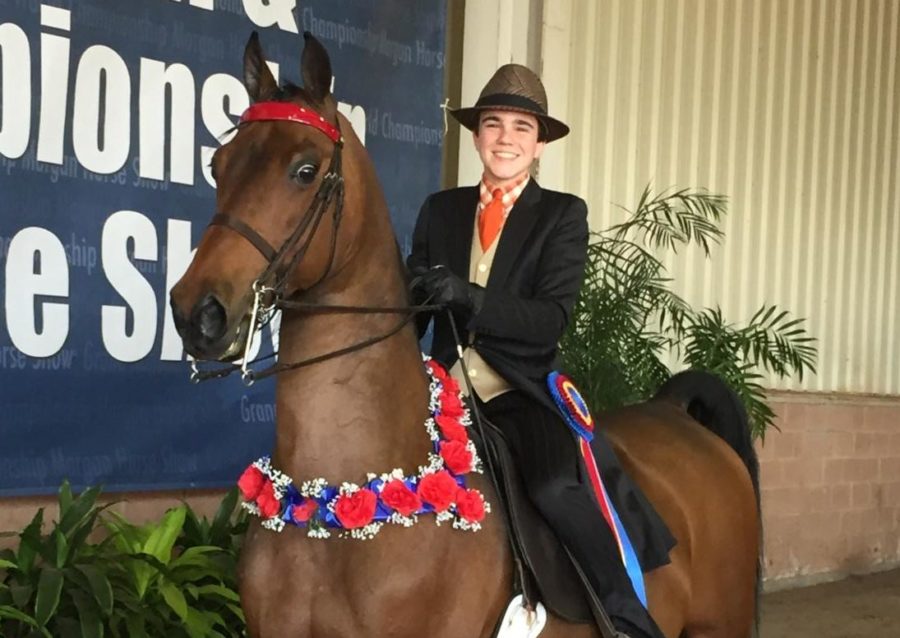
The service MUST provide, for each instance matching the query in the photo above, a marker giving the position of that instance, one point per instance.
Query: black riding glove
(443, 288)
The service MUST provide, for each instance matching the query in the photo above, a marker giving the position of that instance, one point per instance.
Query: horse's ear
(315, 67)
(257, 77)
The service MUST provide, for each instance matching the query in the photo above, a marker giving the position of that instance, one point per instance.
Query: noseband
(268, 298)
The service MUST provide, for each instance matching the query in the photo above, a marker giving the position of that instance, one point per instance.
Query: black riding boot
(547, 455)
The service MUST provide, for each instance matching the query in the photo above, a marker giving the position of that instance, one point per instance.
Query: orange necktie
(491, 220)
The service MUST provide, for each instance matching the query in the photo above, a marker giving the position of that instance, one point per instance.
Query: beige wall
(791, 108)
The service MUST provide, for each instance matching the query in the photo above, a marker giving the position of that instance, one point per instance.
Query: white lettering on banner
(36, 265)
(178, 258)
(155, 78)
(102, 147)
(54, 97)
(23, 467)
(373, 42)
(413, 133)
(266, 13)
(252, 412)
(12, 359)
(120, 229)
(62, 360)
(55, 17)
(15, 87)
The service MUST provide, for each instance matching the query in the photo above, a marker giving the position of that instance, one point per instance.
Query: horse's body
(364, 412)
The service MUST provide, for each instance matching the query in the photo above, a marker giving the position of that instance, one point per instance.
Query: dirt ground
(858, 607)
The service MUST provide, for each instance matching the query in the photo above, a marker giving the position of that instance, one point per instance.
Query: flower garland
(361, 511)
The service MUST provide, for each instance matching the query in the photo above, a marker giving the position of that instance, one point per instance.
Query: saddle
(548, 572)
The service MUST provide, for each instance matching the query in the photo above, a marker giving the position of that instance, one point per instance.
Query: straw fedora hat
(513, 88)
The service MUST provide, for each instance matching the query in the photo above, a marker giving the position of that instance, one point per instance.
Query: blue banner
(109, 113)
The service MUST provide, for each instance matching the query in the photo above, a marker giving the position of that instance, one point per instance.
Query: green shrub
(175, 577)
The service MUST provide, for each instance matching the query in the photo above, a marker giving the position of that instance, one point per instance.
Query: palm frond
(679, 218)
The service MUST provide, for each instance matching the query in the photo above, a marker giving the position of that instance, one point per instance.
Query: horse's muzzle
(203, 332)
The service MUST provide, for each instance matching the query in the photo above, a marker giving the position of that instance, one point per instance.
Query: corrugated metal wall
(791, 108)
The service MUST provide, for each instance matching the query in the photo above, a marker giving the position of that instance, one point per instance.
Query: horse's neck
(361, 412)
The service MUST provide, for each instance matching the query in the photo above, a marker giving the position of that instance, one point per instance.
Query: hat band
(499, 100)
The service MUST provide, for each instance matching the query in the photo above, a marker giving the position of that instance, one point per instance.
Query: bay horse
(298, 201)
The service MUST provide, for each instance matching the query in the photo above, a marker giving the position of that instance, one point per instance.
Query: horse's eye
(304, 173)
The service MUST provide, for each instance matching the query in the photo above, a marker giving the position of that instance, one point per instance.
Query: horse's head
(278, 204)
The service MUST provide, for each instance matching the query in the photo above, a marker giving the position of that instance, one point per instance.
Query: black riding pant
(547, 454)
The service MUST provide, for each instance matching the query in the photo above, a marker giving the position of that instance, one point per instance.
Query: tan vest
(485, 380)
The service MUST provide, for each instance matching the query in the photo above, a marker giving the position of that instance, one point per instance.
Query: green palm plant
(627, 320)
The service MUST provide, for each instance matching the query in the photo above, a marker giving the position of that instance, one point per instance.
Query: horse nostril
(210, 318)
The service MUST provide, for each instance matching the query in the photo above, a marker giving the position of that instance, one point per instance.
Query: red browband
(287, 111)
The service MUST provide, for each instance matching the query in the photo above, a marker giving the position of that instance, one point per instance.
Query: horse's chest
(403, 584)
(294, 586)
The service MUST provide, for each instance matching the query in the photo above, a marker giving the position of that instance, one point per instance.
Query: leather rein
(269, 298)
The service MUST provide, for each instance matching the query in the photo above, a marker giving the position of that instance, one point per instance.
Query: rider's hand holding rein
(444, 288)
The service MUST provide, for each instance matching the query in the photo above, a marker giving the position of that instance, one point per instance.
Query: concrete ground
(857, 607)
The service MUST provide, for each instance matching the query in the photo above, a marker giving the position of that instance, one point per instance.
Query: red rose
(356, 509)
(268, 505)
(438, 490)
(470, 505)
(398, 496)
(451, 429)
(450, 385)
(304, 511)
(456, 456)
(251, 482)
(451, 405)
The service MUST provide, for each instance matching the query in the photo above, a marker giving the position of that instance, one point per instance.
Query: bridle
(281, 262)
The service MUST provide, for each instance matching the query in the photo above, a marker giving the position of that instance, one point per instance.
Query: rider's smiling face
(507, 142)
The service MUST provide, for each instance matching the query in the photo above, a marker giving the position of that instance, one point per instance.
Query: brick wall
(830, 487)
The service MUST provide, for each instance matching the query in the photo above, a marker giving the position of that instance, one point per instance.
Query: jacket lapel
(521, 220)
(460, 229)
